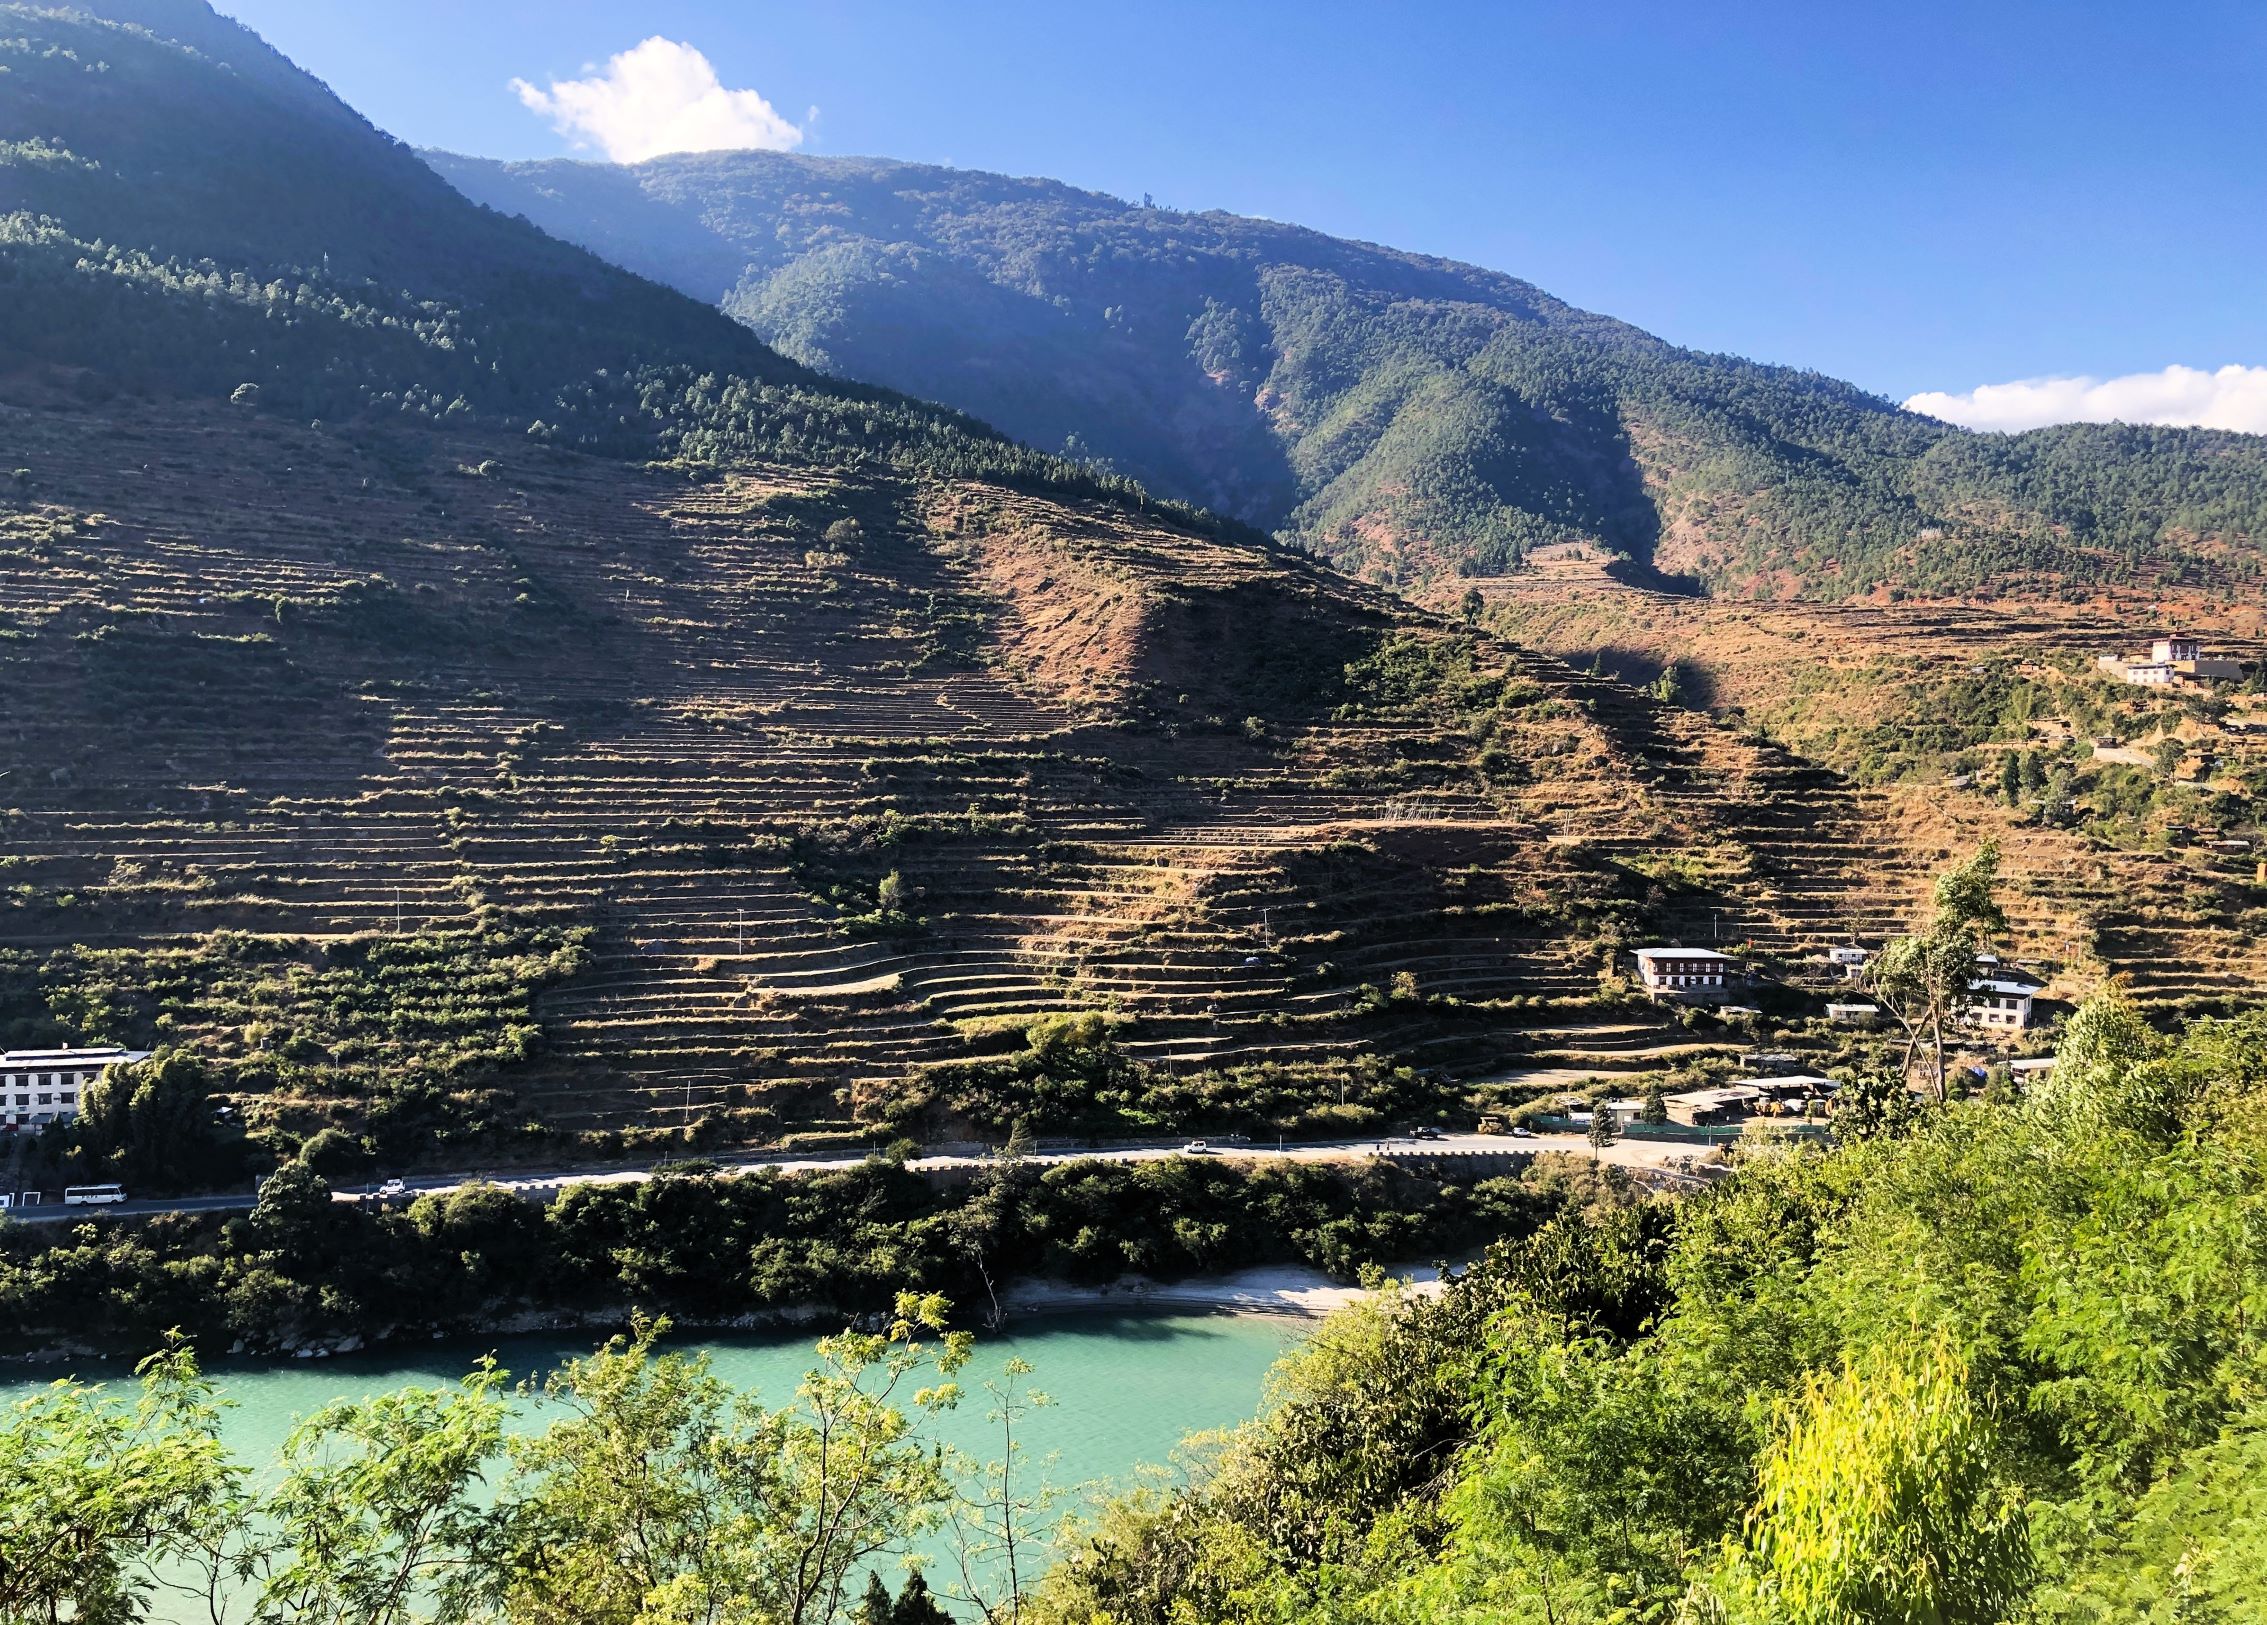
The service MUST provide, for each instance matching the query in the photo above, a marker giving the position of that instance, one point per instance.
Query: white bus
(89, 1195)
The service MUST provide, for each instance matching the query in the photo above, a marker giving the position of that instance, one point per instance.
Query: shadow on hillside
(1696, 685)
(1640, 573)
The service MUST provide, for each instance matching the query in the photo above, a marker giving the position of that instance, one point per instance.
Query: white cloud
(2231, 398)
(659, 96)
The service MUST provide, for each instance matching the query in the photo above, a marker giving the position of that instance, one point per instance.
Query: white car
(393, 1187)
(1195, 1148)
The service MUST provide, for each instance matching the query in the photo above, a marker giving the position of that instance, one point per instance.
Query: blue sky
(1927, 196)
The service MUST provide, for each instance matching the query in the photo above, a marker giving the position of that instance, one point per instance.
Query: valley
(610, 765)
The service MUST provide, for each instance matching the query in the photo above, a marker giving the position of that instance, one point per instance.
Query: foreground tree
(1926, 981)
(659, 1495)
(377, 1519)
(651, 1495)
(1880, 1506)
(97, 1498)
(998, 1520)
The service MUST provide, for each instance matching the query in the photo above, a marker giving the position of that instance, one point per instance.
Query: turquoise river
(1126, 1387)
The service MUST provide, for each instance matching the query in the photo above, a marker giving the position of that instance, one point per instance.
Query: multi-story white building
(1684, 973)
(2000, 1001)
(41, 1086)
(2171, 660)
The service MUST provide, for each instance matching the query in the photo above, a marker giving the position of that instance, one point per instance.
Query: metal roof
(98, 1055)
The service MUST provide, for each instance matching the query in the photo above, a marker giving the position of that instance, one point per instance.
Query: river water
(1126, 1388)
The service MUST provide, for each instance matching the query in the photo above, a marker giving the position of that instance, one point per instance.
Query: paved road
(543, 1183)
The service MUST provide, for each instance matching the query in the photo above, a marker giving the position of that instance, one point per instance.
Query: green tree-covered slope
(1995, 1363)
(184, 211)
(1407, 416)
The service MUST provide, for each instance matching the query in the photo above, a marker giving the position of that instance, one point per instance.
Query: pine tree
(874, 1607)
(1602, 1130)
(916, 1607)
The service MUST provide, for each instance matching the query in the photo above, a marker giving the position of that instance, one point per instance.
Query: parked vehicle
(92, 1195)
(392, 1188)
(1195, 1148)
(1522, 1132)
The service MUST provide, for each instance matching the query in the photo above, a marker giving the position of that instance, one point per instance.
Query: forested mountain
(183, 210)
(1406, 416)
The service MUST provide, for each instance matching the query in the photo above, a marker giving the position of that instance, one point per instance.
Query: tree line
(301, 1268)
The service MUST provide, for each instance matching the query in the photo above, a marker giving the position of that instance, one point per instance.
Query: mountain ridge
(1407, 416)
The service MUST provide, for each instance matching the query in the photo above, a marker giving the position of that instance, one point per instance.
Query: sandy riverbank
(1285, 1289)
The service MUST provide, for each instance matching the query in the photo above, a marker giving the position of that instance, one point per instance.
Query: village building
(1684, 973)
(1849, 960)
(1739, 1100)
(2031, 1069)
(42, 1086)
(2172, 659)
(1853, 1013)
(2000, 1000)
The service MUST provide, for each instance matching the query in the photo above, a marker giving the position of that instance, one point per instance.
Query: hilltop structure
(2172, 659)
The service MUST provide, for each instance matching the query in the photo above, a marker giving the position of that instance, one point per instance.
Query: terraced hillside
(2141, 868)
(432, 784)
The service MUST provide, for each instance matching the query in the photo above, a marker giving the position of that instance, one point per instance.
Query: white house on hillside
(1684, 973)
(2172, 659)
(40, 1086)
(1850, 960)
(2000, 1000)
